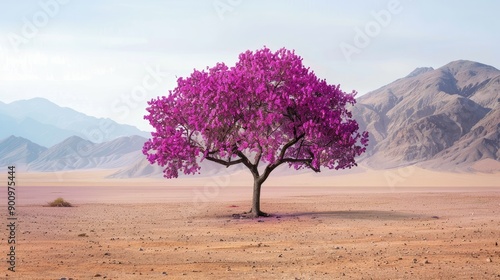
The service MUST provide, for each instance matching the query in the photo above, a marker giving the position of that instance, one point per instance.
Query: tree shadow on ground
(352, 215)
(358, 214)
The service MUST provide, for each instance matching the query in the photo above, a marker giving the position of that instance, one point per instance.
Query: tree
(265, 111)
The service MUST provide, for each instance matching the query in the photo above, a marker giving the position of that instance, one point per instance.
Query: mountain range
(47, 124)
(446, 118)
(72, 153)
(123, 154)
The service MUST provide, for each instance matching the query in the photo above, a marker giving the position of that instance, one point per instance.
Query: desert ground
(391, 228)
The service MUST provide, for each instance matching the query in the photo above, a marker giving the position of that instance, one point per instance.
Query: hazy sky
(107, 58)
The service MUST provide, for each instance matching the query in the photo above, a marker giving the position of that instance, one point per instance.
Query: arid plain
(399, 224)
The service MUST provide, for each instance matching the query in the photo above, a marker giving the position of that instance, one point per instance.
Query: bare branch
(282, 158)
(253, 167)
(289, 144)
(224, 162)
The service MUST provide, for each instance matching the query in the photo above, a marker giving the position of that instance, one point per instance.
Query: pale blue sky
(107, 58)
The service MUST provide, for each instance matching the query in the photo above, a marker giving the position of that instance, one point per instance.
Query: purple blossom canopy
(268, 108)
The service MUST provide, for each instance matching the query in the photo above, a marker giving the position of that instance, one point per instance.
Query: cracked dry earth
(409, 235)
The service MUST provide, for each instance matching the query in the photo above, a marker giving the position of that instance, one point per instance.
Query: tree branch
(224, 162)
(289, 144)
(248, 163)
(271, 167)
(282, 158)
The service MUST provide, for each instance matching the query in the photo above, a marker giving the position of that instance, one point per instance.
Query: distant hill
(447, 118)
(47, 124)
(78, 153)
(18, 151)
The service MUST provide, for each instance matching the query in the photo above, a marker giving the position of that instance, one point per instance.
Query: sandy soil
(315, 233)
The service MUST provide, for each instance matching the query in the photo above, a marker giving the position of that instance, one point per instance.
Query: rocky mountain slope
(447, 118)
(18, 151)
(71, 154)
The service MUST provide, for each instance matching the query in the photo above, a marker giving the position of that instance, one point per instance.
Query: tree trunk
(256, 198)
(257, 185)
